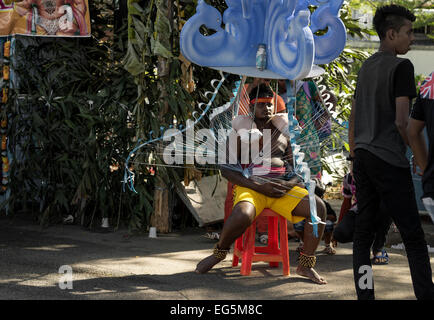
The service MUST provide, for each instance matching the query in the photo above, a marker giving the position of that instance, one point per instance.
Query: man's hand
(294, 181)
(401, 119)
(273, 190)
(279, 189)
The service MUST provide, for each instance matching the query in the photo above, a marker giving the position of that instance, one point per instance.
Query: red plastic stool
(249, 253)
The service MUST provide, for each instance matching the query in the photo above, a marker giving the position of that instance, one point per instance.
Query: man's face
(404, 38)
(263, 110)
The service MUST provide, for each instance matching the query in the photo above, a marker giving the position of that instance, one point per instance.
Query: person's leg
(327, 237)
(396, 191)
(405, 214)
(382, 228)
(368, 205)
(299, 229)
(328, 232)
(262, 229)
(291, 231)
(428, 202)
(241, 218)
(310, 242)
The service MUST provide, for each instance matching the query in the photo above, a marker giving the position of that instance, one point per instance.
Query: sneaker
(263, 239)
(68, 220)
(212, 235)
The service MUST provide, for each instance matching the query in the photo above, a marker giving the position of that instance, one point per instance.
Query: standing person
(423, 115)
(378, 138)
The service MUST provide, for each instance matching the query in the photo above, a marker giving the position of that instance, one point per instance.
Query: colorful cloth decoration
(4, 122)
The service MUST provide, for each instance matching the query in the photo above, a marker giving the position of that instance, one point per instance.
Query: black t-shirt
(404, 80)
(423, 110)
(382, 78)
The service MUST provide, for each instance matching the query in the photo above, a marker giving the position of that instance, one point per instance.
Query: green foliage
(162, 75)
(340, 78)
(83, 104)
(424, 17)
(70, 128)
(341, 74)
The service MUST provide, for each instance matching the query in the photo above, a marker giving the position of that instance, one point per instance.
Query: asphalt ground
(119, 266)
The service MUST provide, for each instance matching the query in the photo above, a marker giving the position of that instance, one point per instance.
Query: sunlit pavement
(117, 266)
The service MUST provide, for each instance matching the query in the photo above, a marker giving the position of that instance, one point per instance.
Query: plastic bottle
(261, 57)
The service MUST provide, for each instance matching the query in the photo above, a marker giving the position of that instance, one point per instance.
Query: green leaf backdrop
(83, 104)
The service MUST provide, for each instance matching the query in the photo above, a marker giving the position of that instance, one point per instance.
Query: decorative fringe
(300, 167)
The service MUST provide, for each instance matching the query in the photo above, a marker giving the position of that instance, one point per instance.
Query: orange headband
(262, 100)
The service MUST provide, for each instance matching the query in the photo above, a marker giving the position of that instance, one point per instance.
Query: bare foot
(206, 264)
(311, 274)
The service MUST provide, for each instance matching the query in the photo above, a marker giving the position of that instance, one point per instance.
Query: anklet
(307, 261)
(220, 253)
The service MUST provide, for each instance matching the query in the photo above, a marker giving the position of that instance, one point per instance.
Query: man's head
(261, 101)
(393, 24)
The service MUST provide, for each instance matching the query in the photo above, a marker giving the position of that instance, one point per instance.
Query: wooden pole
(161, 218)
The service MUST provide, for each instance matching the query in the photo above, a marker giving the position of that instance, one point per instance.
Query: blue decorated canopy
(286, 27)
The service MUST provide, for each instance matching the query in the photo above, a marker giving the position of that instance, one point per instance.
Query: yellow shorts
(283, 206)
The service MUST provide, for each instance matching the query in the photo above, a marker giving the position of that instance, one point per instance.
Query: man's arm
(417, 142)
(401, 119)
(405, 90)
(295, 181)
(270, 189)
(351, 129)
(238, 179)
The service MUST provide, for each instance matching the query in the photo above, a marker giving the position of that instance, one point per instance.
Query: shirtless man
(55, 17)
(252, 195)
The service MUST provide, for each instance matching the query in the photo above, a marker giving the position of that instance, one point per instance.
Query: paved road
(118, 266)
